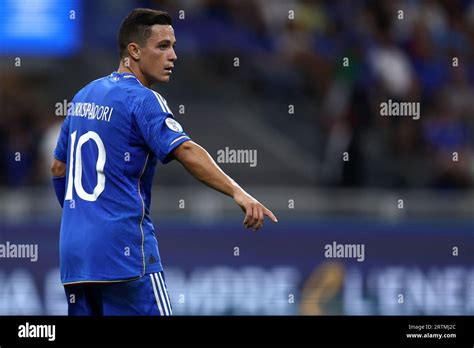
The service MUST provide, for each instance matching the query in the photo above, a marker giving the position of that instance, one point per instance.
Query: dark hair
(136, 27)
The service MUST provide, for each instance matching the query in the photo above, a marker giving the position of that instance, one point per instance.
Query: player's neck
(136, 72)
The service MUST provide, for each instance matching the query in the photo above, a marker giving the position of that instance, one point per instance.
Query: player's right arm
(200, 164)
(165, 136)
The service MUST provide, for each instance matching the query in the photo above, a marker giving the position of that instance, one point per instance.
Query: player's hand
(254, 211)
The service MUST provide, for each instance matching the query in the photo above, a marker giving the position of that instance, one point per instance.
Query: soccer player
(116, 130)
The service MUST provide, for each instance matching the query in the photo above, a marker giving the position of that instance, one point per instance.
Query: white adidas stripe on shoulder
(162, 102)
(165, 103)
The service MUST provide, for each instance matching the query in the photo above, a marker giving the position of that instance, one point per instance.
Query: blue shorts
(147, 295)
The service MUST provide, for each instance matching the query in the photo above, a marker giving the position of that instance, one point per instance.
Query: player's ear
(134, 51)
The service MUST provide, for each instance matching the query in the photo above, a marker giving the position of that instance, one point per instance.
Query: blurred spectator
(19, 126)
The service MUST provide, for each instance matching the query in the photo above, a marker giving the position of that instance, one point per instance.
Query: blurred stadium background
(405, 192)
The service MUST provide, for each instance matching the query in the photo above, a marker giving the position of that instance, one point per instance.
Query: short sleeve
(161, 132)
(60, 152)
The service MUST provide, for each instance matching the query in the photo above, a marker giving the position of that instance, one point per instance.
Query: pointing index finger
(270, 215)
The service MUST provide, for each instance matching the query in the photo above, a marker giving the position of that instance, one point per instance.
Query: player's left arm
(58, 166)
(58, 171)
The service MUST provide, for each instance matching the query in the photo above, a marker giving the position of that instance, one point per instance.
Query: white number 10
(91, 197)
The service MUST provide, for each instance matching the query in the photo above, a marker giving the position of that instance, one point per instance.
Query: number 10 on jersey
(75, 167)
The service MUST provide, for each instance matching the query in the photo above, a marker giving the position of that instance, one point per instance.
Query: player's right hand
(254, 211)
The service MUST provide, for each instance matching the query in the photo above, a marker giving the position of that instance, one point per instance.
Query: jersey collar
(124, 75)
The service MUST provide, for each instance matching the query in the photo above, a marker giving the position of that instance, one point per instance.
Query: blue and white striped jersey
(114, 133)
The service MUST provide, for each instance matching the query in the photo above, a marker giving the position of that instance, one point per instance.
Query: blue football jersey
(114, 133)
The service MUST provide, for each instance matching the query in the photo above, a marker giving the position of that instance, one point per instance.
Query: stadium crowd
(337, 60)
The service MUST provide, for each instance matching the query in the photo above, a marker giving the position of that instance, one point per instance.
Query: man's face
(158, 56)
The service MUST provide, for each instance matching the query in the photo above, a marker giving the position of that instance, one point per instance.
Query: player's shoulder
(151, 99)
(137, 95)
(132, 86)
